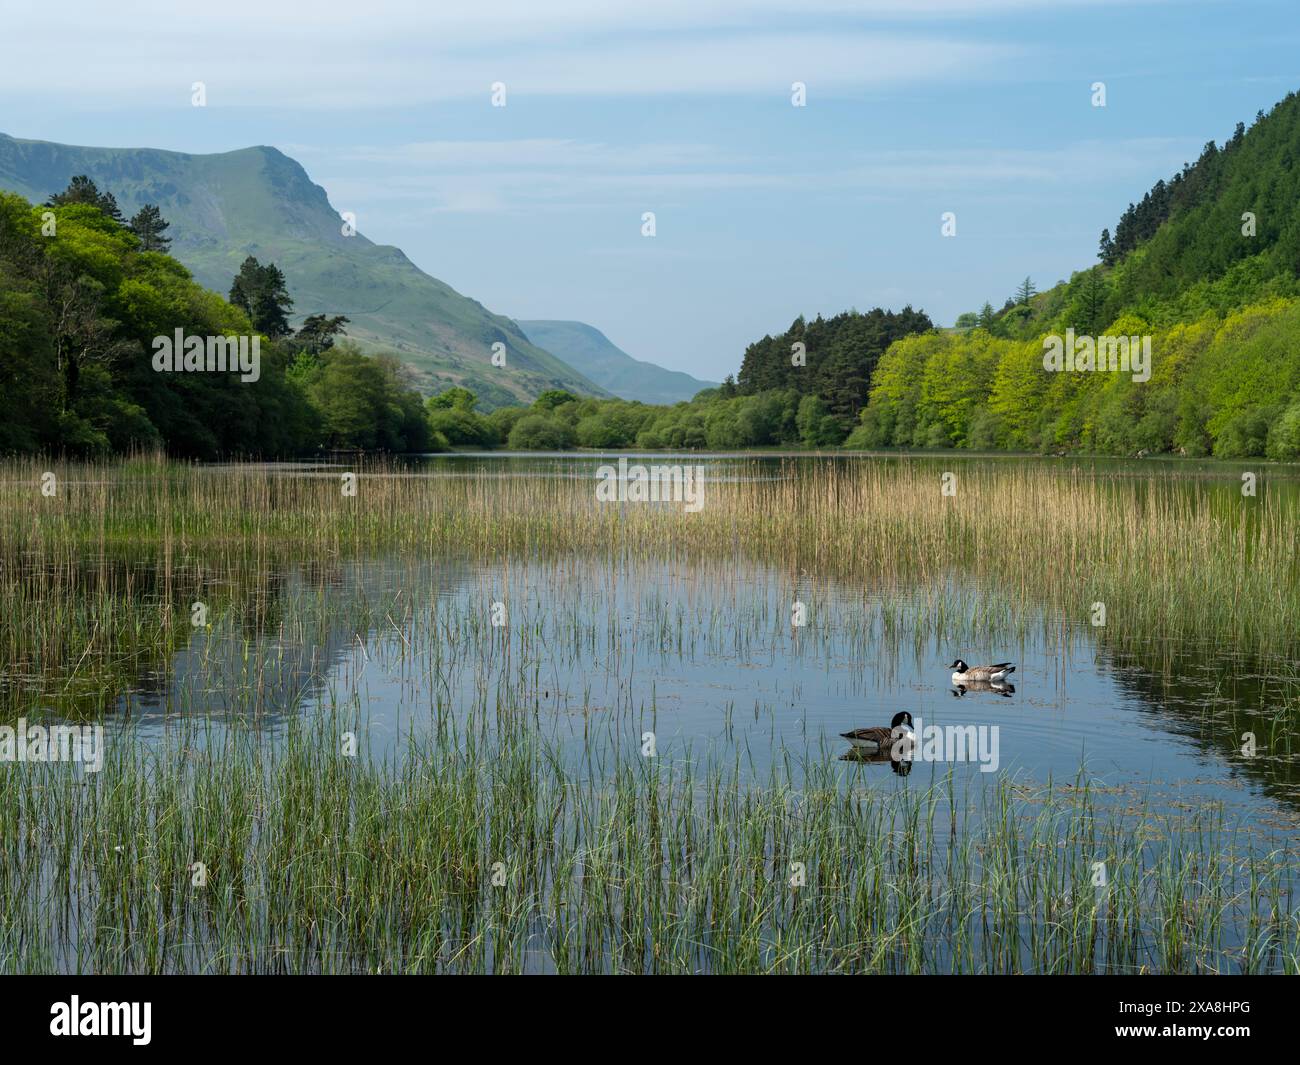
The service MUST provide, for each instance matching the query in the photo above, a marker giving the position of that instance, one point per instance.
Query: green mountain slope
(1201, 281)
(258, 201)
(1218, 236)
(591, 353)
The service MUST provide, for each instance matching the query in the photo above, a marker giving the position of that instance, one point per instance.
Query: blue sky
(764, 211)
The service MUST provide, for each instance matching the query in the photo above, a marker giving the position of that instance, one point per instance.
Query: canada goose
(997, 688)
(879, 738)
(996, 672)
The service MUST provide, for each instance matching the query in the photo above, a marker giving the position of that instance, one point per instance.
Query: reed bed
(490, 842)
(113, 558)
(493, 852)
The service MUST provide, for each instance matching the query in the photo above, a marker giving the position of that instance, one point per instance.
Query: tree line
(829, 358)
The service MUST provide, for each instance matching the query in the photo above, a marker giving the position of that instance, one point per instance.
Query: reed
(496, 852)
(111, 562)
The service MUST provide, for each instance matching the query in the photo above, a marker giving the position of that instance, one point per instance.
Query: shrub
(1284, 438)
(503, 419)
(552, 398)
(1243, 436)
(462, 427)
(539, 432)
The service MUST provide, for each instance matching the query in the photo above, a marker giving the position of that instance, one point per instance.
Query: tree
(362, 403)
(149, 225)
(552, 398)
(260, 292)
(504, 419)
(538, 432)
(987, 317)
(1025, 292)
(1106, 251)
(317, 333)
(1094, 301)
(454, 398)
(831, 358)
(461, 427)
(82, 190)
(451, 413)
(817, 428)
(78, 316)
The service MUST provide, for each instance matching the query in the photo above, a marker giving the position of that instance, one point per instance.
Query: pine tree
(1094, 300)
(260, 292)
(150, 226)
(1106, 251)
(318, 331)
(1025, 292)
(839, 356)
(82, 190)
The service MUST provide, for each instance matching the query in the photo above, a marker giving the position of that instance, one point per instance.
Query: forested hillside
(1205, 264)
(81, 302)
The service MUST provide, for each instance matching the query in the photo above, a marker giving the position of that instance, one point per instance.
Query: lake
(742, 648)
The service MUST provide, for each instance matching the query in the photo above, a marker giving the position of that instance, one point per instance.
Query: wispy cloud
(542, 173)
(388, 54)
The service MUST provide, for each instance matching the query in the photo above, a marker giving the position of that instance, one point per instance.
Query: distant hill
(591, 353)
(258, 201)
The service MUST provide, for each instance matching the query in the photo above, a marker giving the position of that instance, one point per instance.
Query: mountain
(258, 201)
(591, 353)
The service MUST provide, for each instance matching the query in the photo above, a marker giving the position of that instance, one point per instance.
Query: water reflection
(702, 655)
(901, 767)
(1002, 688)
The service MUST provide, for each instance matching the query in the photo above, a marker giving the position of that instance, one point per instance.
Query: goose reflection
(996, 687)
(901, 766)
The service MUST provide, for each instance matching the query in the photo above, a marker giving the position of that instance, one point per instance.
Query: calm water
(705, 657)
